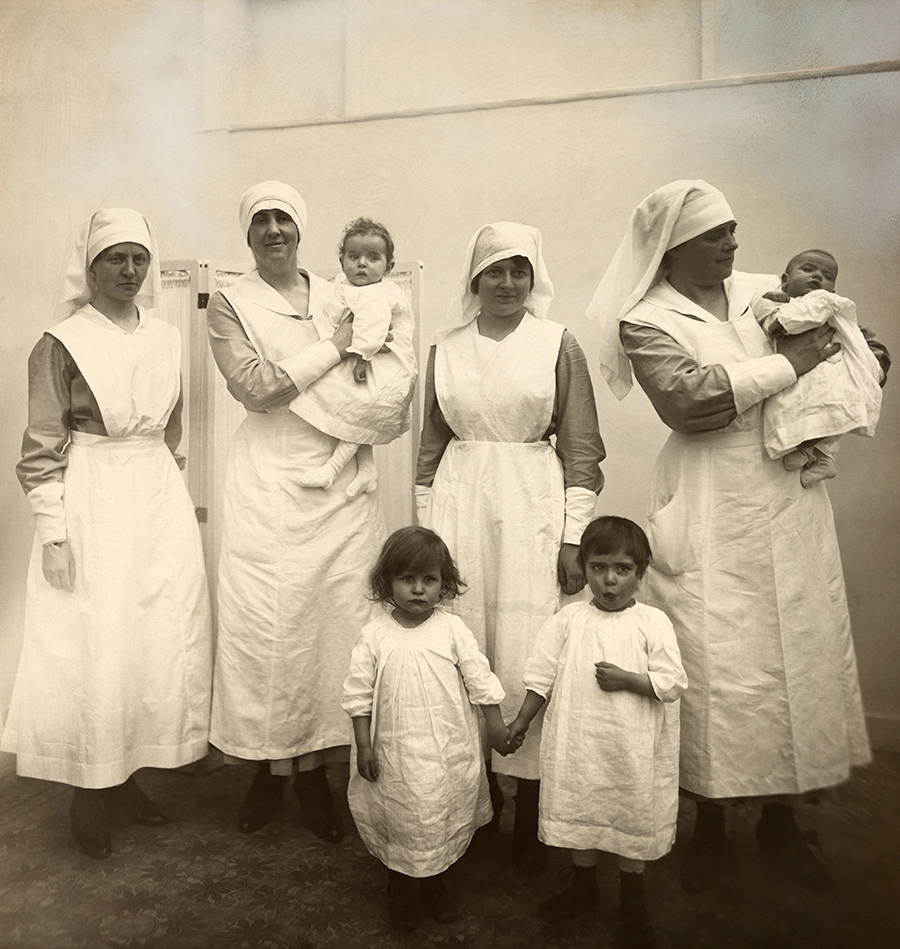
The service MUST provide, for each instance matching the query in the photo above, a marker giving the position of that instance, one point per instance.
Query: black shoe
(710, 852)
(705, 862)
(788, 850)
(437, 901)
(528, 852)
(89, 825)
(581, 895)
(319, 814)
(402, 903)
(263, 800)
(636, 926)
(138, 806)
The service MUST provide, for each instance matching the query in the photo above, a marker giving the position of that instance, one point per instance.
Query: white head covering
(673, 214)
(269, 196)
(105, 228)
(489, 244)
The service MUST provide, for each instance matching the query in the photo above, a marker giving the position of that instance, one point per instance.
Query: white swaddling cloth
(839, 396)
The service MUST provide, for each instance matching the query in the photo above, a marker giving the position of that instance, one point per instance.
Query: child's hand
(497, 737)
(360, 371)
(776, 296)
(611, 678)
(366, 764)
(515, 734)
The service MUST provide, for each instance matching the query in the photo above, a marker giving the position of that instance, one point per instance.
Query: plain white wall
(130, 102)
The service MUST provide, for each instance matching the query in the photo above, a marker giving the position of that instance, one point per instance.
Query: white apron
(292, 570)
(115, 676)
(498, 499)
(746, 565)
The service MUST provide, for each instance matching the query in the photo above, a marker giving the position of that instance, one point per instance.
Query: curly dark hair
(606, 535)
(363, 226)
(412, 548)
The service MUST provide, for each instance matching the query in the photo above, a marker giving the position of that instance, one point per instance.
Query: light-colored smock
(609, 760)
(114, 676)
(420, 687)
(498, 495)
(379, 410)
(745, 560)
(839, 396)
(294, 560)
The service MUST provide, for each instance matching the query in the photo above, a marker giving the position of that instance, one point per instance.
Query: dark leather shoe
(319, 814)
(89, 826)
(263, 800)
(789, 851)
(402, 903)
(437, 901)
(138, 806)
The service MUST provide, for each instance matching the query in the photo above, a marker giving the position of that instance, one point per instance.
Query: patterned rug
(199, 884)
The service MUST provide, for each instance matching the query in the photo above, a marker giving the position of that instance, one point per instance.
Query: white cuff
(311, 363)
(49, 512)
(423, 498)
(580, 505)
(756, 379)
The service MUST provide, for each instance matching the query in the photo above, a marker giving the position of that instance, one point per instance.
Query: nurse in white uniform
(509, 470)
(115, 671)
(294, 560)
(746, 560)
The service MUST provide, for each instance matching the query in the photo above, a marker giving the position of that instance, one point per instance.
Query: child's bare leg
(823, 465)
(360, 369)
(366, 479)
(324, 475)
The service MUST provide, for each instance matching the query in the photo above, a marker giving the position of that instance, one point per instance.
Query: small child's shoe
(581, 895)
(821, 469)
(438, 902)
(798, 458)
(636, 926)
(403, 906)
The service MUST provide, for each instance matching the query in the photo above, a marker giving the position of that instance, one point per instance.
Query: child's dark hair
(412, 548)
(606, 535)
(813, 250)
(519, 261)
(363, 226)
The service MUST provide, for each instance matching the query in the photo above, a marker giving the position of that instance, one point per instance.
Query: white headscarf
(105, 228)
(489, 244)
(673, 214)
(269, 196)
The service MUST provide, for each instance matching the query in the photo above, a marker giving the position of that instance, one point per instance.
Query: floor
(199, 884)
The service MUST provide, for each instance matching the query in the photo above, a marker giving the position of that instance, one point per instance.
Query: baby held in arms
(803, 423)
(366, 400)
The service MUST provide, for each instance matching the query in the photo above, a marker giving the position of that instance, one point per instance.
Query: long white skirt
(116, 675)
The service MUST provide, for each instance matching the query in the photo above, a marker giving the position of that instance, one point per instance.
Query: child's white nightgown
(420, 687)
(609, 760)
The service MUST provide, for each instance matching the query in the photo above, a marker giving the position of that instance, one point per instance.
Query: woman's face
(707, 259)
(273, 237)
(503, 288)
(119, 272)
